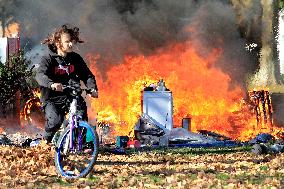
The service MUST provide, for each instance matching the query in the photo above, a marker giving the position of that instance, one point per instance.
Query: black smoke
(114, 28)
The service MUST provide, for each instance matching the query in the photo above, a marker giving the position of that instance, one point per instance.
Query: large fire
(199, 89)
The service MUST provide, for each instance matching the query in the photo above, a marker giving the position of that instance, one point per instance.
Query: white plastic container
(159, 106)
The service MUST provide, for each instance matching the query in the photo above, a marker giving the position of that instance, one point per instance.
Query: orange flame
(199, 90)
(25, 115)
(12, 30)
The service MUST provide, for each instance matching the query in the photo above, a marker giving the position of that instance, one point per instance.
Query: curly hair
(56, 36)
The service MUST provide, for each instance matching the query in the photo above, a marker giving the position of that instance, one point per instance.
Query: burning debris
(155, 126)
(147, 132)
(160, 86)
(32, 113)
(262, 107)
(157, 117)
(213, 134)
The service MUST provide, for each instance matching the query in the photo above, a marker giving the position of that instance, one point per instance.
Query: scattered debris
(160, 86)
(19, 139)
(133, 144)
(164, 141)
(213, 134)
(265, 143)
(180, 137)
(26, 143)
(4, 140)
(35, 142)
(267, 148)
(262, 138)
(150, 135)
(121, 141)
(147, 131)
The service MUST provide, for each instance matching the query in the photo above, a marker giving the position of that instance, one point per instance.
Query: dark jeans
(55, 112)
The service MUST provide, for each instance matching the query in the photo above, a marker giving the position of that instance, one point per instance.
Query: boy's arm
(41, 73)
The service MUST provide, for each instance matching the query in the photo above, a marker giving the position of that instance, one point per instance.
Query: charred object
(262, 106)
(213, 134)
(265, 143)
(157, 114)
(147, 132)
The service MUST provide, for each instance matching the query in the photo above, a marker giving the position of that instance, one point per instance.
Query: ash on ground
(16, 135)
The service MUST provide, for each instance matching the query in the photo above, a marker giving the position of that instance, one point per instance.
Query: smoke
(215, 26)
(249, 15)
(114, 28)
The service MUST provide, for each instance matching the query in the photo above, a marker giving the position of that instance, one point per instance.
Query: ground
(161, 168)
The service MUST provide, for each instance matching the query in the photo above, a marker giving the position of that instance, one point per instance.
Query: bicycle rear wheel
(79, 160)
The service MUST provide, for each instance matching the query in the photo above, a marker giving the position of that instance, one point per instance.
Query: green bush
(15, 76)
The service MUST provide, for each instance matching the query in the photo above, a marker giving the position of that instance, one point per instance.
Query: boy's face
(66, 44)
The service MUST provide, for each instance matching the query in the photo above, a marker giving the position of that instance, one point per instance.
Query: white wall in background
(9, 47)
(3, 49)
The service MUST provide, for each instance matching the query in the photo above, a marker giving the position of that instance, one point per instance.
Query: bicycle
(77, 142)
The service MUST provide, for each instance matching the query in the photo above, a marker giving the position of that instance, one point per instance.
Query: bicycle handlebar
(75, 89)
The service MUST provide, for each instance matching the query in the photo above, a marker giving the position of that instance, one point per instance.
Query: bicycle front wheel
(76, 157)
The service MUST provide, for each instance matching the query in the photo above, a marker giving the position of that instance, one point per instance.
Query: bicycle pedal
(88, 151)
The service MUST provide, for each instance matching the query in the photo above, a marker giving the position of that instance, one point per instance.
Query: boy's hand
(57, 87)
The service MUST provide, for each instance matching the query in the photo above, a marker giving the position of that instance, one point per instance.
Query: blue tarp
(261, 138)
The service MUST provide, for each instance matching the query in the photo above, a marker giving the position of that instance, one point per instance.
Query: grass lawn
(158, 168)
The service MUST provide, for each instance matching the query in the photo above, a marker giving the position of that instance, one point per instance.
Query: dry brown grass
(182, 168)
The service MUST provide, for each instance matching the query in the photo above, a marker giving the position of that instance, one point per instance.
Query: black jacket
(57, 69)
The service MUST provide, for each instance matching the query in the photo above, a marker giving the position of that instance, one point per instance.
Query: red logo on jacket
(61, 70)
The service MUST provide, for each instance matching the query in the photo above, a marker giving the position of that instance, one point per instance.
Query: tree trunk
(269, 66)
(275, 33)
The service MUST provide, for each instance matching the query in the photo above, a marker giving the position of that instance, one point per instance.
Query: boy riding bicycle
(56, 69)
